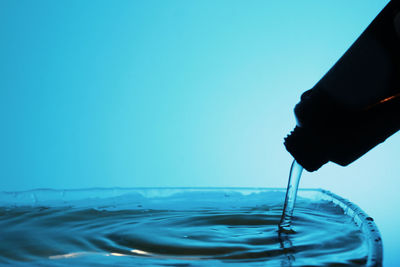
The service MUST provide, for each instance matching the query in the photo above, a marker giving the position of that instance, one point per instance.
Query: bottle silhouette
(356, 105)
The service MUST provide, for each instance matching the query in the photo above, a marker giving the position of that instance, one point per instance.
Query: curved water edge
(158, 226)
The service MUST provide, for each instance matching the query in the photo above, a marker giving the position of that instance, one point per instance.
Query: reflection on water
(184, 229)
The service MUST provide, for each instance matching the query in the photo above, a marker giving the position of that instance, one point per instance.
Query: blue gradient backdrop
(176, 93)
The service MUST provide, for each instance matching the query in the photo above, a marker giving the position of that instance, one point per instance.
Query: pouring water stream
(285, 225)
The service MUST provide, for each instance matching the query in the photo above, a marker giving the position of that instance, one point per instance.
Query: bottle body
(356, 105)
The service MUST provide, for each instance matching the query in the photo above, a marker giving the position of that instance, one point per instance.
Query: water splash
(285, 225)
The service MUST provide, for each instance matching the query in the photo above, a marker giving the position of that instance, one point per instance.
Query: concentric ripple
(183, 229)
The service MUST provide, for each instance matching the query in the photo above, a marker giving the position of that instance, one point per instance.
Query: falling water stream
(285, 224)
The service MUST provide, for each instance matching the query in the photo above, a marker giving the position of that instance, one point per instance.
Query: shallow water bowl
(183, 227)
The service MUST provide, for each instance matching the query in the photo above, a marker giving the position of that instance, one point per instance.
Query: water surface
(182, 228)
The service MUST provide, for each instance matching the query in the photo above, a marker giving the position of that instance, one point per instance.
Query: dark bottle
(356, 105)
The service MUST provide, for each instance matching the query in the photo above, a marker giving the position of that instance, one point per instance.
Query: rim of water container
(365, 223)
(360, 218)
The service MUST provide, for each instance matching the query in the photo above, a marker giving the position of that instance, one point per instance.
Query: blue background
(177, 93)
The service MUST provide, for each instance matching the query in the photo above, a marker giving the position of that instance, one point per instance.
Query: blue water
(179, 229)
(290, 199)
